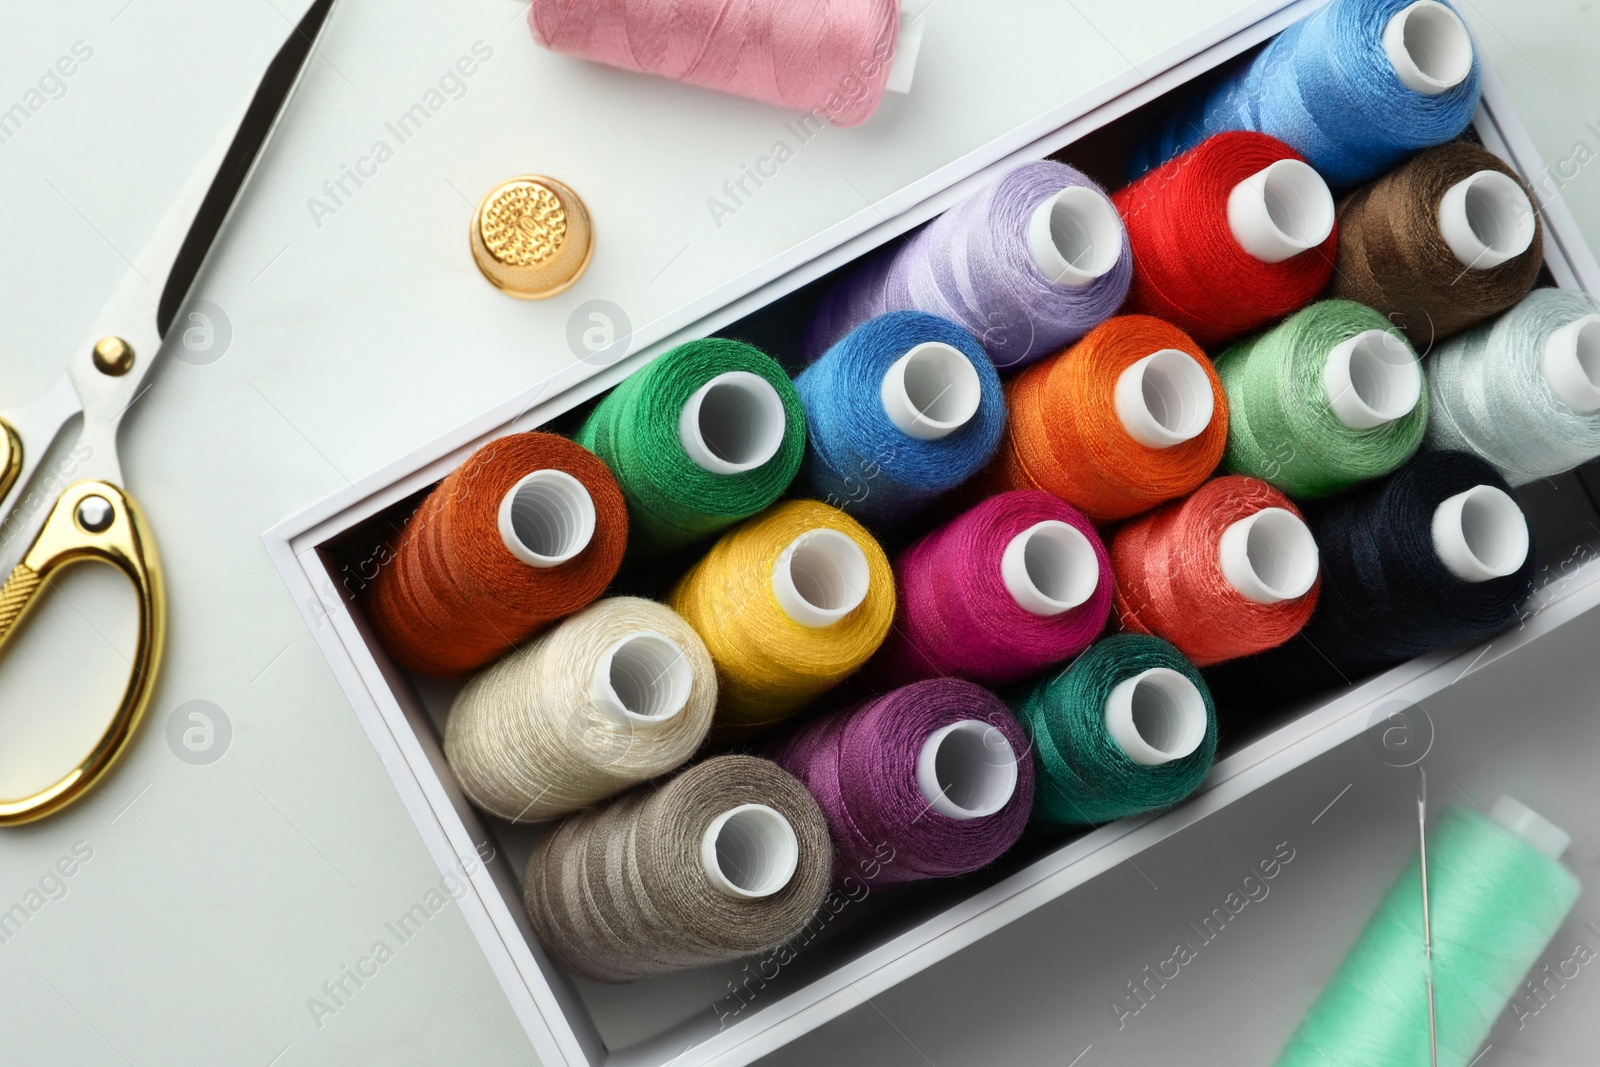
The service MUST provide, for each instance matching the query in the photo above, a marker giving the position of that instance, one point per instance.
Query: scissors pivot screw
(113, 356)
(95, 514)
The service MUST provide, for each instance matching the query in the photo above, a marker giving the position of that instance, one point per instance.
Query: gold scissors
(94, 519)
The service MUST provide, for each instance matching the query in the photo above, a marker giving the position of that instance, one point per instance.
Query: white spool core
(1075, 236)
(1372, 379)
(1429, 47)
(1280, 211)
(1164, 399)
(967, 770)
(1572, 364)
(1269, 557)
(546, 518)
(931, 391)
(1545, 836)
(733, 423)
(1156, 716)
(820, 577)
(1486, 219)
(749, 852)
(642, 678)
(1480, 534)
(907, 46)
(1049, 568)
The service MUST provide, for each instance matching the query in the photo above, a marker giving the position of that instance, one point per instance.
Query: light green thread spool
(1497, 895)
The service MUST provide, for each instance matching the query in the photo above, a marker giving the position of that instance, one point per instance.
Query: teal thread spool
(709, 434)
(1330, 397)
(1497, 894)
(1128, 728)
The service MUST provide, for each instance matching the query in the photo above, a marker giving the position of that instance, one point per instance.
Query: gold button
(531, 237)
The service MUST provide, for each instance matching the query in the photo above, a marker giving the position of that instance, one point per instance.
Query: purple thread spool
(1028, 265)
(1018, 583)
(929, 781)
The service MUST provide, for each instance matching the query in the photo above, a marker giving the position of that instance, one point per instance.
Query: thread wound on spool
(1171, 578)
(638, 430)
(1495, 902)
(834, 61)
(454, 596)
(957, 614)
(1084, 776)
(862, 764)
(857, 458)
(1188, 266)
(1494, 391)
(768, 664)
(618, 694)
(1393, 256)
(1286, 423)
(1066, 438)
(1328, 87)
(975, 265)
(651, 908)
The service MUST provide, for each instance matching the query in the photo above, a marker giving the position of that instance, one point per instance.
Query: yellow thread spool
(788, 604)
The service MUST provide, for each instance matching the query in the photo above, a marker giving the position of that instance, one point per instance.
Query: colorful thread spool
(931, 780)
(1026, 265)
(1330, 397)
(904, 408)
(727, 859)
(1232, 234)
(617, 694)
(1355, 88)
(1128, 417)
(1441, 244)
(1524, 391)
(529, 529)
(1018, 583)
(1228, 572)
(709, 434)
(789, 605)
(1497, 896)
(1128, 728)
(835, 59)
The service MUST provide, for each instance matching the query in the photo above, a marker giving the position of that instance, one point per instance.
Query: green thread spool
(1330, 397)
(1497, 894)
(709, 434)
(1128, 728)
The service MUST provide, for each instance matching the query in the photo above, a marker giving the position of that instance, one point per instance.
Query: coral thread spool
(529, 529)
(1228, 572)
(1128, 417)
(1229, 236)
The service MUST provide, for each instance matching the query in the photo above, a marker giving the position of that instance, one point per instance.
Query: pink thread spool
(1018, 583)
(832, 58)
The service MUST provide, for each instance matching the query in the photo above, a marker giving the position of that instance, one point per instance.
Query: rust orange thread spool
(1228, 572)
(529, 529)
(1130, 416)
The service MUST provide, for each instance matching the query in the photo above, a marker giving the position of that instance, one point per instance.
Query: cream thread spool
(1050, 568)
(967, 770)
(1164, 399)
(1269, 557)
(1429, 47)
(1075, 236)
(1156, 716)
(1280, 211)
(1480, 534)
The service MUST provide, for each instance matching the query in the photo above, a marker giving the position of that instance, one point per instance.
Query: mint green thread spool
(1497, 895)
(710, 433)
(1330, 397)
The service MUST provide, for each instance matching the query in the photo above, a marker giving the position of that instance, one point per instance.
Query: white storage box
(733, 1015)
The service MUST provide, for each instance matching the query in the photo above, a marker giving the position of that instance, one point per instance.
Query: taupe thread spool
(1440, 244)
(728, 859)
(617, 694)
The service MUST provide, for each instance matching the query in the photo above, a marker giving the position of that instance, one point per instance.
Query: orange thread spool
(1171, 580)
(1065, 435)
(454, 596)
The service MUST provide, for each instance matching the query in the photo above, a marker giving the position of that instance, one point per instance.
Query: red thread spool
(1074, 418)
(529, 529)
(1228, 572)
(1186, 223)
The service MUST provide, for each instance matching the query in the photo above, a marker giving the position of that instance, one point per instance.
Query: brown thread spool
(1440, 244)
(529, 529)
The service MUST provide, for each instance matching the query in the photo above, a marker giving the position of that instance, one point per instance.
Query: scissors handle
(10, 457)
(91, 521)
